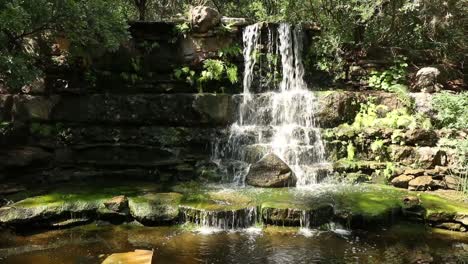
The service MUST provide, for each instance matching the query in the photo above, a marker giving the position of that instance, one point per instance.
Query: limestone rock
(402, 181)
(271, 171)
(204, 18)
(422, 183)
(414, 172)
(421, 137)
(427, 80)
(117, 204)
(155, 208)
(136, 257)
(452, 226)
(452, 182)
(428, 157)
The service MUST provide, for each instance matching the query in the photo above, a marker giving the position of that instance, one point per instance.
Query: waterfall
(274, 117)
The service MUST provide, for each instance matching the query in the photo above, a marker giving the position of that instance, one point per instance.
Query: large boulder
(402, 181)
(271, 171)
(427, 80)
(204, 18)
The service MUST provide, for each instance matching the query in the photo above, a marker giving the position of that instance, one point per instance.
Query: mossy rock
(155, 208)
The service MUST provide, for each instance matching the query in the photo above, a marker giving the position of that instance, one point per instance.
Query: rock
(356, 177)
(452, 226)
(428, 157)
(421, 137)
(461, 218)
(204, 18)
(40, 108)
(402, 181)
(34, 210)
(24, 157)
(452, 182)
(35, 87)
(236, 22)
(414, 172)
(117, 204)
(155, 208)
(136, 257)
(427, 80)
(271, 171)
(423, 103)
(422, 183)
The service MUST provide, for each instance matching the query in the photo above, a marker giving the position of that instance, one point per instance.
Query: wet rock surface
(356, 206)
(271, 171)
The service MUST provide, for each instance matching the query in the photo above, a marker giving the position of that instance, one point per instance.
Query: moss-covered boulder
(155, 208)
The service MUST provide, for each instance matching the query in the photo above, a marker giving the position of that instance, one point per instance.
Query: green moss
(369, 202)
(436, 204)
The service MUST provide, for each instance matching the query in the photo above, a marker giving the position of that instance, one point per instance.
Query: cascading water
(274, 117)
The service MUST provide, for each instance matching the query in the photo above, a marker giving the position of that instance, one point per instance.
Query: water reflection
(91, 244)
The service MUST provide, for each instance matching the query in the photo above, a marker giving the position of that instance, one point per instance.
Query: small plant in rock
(350, 151)
(186, 74)
(379, 149)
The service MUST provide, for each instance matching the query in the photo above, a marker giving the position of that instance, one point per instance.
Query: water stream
(274, 116)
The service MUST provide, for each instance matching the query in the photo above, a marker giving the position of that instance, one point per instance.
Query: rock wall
(134, 119)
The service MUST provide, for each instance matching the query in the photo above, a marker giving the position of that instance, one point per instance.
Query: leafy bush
(385, 80)
(452, 109)
(370, 115)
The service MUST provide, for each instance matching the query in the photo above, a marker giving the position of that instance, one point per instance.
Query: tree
(28, 30)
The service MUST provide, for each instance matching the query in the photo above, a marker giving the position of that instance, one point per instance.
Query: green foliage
(451, 109)
(378, 147)
(351, 151)
(185, 73)
(29, 28)
(385, 80)
(182, 29)
(213, 69)
(460, 168)
(371, 115)
(389, 170)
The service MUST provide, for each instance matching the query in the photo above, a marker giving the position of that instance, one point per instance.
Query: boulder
(271, 171)
(452, 226)
(117, 203)
(452, 182)
(414, 172)
(422, 183)
(204, 18)
(428, 157)
(155, 208)
(421, 137)
(402, 181)
(427, 80)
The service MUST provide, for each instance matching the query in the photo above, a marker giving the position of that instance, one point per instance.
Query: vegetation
(451, 109)
(31, 32)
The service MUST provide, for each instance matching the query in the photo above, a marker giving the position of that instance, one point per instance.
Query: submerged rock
(136, 257)
(271, 171)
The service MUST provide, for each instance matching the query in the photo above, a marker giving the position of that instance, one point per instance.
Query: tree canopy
(29, 28)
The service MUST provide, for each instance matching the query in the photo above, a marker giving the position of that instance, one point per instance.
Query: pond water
(403, 243)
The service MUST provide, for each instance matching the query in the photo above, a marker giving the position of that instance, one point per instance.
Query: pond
(402, 243)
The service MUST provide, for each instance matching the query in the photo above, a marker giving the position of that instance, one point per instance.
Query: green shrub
(452, 109)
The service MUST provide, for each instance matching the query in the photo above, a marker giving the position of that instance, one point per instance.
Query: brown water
(91, 244)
